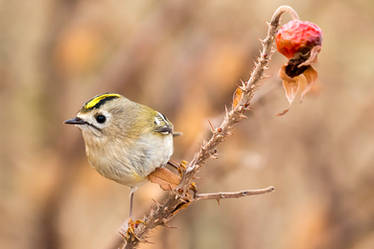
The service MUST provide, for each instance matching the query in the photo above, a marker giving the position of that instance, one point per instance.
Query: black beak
(75, 121)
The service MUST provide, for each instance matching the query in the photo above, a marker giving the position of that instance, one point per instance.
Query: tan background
(184, 58)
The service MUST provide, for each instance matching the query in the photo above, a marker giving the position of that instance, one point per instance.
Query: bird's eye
(100, 118)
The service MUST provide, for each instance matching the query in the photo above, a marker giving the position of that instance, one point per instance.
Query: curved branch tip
(281, 10)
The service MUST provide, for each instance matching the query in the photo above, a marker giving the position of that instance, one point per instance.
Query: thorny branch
(185, 194)
(248, 88)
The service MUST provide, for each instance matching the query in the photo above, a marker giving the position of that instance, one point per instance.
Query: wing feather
(162, 124)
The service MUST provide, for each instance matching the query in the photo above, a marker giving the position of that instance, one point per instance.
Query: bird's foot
(193, 188)
(182, 167)
(128, 228)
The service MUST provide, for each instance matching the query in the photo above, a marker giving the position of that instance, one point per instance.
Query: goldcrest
(125, 141)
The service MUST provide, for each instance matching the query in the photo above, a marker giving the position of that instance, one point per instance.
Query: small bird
(125, 141)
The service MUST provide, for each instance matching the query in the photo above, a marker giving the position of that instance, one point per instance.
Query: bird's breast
(129, 163)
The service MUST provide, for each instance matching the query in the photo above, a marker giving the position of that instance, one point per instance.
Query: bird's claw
(193, 187)
(128, 228)
(182, 167)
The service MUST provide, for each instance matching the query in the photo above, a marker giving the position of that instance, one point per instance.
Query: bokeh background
(185, 58)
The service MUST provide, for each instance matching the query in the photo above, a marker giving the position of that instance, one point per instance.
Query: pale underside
(114, 160)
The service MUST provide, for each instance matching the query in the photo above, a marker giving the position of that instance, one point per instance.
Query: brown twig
(183, 195)
(229, 195)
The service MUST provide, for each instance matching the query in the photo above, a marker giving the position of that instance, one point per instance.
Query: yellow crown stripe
(90, 104)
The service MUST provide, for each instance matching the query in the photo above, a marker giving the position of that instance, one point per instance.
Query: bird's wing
(162, 125)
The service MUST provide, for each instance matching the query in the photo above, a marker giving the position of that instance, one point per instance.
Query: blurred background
(185, 58)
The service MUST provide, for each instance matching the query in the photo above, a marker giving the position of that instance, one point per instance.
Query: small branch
(229, 195)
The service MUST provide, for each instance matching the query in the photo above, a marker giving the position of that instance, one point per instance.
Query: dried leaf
(237, 96)
(165, 178)
(291, 88)
(283, 112)
(311, 77)
(313, 56)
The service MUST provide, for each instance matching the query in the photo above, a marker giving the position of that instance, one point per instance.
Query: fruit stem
(285, 8)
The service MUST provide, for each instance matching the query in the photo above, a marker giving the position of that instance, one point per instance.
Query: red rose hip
(297, 36)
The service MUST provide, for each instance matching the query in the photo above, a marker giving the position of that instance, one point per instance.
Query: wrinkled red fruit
(298, 36)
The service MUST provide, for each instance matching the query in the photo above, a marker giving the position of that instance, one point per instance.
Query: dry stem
(229, 195)
(182, 197)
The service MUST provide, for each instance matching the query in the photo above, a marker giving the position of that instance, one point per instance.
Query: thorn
(243, 83)
(167, 226)
(226, 112)
(243, 88)
(212, 129)
(156, 202)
